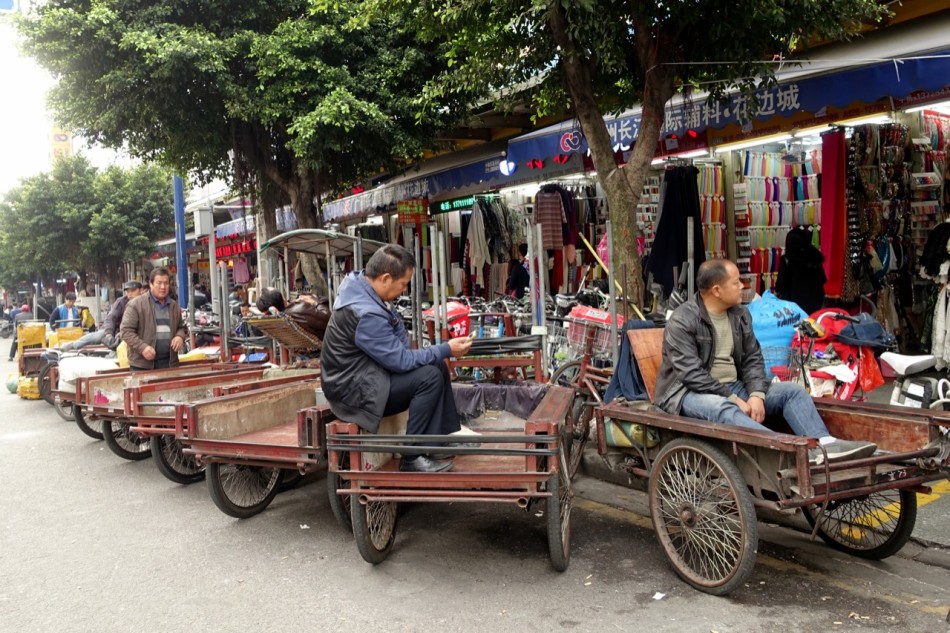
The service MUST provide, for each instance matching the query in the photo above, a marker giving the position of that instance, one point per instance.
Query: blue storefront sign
(895, 79)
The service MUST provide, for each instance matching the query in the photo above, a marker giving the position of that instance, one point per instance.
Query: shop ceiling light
(752, 142)
(942, 106)
(877, 119)
(812, 131)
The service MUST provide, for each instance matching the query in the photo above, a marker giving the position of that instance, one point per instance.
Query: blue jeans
(787, 399)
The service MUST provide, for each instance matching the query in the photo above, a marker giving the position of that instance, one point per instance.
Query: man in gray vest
(152, 326)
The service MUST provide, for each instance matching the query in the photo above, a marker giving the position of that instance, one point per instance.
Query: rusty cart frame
(705, 480)
(514, 461)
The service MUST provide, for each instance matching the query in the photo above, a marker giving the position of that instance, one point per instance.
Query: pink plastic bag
(602, 250)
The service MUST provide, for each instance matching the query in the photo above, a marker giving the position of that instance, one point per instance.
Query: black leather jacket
(688, 350)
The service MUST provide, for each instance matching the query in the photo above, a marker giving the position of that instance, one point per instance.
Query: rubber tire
(65, 411)
(704, 457)
(897, 532)
(171, 461)
(582, 411)
(370, 517)
(289, 479)
(130, 446)
(92, 429)
(43, 384)
(558, 513)
(340, 505)
(219, 475)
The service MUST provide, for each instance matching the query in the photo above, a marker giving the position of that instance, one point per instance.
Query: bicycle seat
(904, 365)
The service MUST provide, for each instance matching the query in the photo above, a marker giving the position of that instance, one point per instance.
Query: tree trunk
(301, 200)
(621, 185)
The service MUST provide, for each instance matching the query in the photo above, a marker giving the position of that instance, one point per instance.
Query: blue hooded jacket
(365, 342)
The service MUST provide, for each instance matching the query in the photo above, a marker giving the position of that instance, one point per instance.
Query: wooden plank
(647, 347)
(896, 431)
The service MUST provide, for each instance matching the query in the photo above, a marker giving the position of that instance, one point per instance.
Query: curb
(594, 466)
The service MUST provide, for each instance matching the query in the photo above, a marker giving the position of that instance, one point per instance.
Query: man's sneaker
(465, 431)
(842, 449)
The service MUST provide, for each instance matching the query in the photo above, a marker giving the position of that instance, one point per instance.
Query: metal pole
(181, 245)
(612, 292)
(213, 272)
(417, 291)
(542, 290)
(433, 267)
(533, 295)
(329, 265)
(443, 274)
(225, 315)
(690, 258)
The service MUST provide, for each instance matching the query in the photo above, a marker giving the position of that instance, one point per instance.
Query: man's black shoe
(423, 464)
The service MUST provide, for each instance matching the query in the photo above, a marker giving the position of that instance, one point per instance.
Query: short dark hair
(271, 297)
(712, 272)
(159, 272)
(392, 259)
(70, 296)
(523, 249)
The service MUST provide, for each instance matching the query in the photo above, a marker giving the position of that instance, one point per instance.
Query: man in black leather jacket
(712, 368)
(367, 367)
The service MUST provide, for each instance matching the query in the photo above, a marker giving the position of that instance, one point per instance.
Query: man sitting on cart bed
(368, 370)
(712, 368)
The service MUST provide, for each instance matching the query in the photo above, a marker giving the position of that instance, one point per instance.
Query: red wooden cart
(150, 412)
(520, 459)
(253, 441)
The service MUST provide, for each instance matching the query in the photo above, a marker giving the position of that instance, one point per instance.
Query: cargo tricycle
(520, 458)
(705, 480)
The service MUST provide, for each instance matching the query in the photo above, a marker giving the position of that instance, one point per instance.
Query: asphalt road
(90, 542)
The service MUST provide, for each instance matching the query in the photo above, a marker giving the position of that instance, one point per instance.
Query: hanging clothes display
(781, 191)
(834, 234)
(680, 202)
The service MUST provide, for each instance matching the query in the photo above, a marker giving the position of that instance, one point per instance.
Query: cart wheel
(581, 412)
(124, 442)
(64, 409)
(172, 461)
(44, 383)
(340, 504)
(703, 515)
(559, 513)
(872, 526)
(289, 479)
(374, 526)
(92, 427)
(242, 491)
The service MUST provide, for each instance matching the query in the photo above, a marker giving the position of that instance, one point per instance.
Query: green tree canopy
(77, 218)
(592, 57)
(298, 101)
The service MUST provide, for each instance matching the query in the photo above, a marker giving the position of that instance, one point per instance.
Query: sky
(25, 123)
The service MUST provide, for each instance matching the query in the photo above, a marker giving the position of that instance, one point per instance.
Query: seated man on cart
(368, 371)
(712, 368)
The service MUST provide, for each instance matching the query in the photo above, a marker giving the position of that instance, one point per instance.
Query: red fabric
(557, 274)
(834, 214)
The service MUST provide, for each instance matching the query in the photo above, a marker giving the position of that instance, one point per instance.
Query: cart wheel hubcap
(688, 517)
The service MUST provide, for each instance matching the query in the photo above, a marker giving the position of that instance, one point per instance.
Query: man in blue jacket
(67, 314)
(369, 371)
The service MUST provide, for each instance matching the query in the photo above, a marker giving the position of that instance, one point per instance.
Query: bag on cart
(310, 313)
(868, 332)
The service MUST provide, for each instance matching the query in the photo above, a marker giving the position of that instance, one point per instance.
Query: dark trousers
(427, 393)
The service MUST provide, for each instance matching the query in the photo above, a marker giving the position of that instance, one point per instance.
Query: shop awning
(923, 76)
(319, 242)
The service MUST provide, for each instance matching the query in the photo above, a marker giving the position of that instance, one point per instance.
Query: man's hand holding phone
(460, 346)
